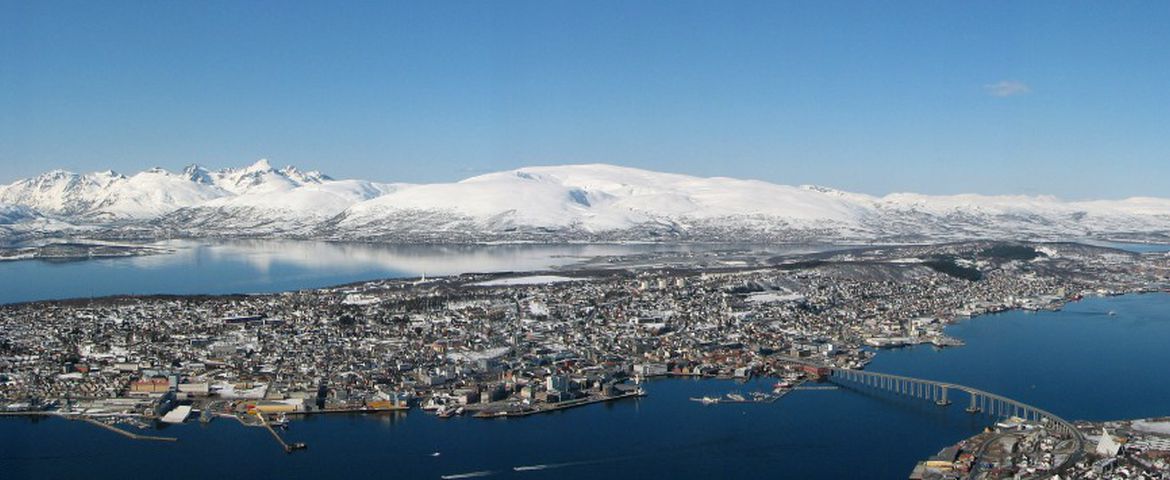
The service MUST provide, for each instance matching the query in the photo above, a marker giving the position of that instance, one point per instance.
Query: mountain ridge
(584, 202)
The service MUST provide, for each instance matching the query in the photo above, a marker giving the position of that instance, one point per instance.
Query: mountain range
(594, 202)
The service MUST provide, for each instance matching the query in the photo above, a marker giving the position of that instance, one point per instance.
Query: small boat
(736, 397)
(281, 421)
(432, 404)
(706, 400)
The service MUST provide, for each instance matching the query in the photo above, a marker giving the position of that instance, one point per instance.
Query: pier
(130, 435)
(558, 406)
(288, 448)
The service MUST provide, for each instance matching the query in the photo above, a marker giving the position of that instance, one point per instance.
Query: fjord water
(1080, 363)
(263, 266)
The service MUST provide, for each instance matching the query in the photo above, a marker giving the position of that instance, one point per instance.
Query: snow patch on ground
(480, 355)
(528, 280)
(1160, 427)
(910, 260)
(774, 297)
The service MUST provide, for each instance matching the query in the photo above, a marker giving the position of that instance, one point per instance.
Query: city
(502, 345)
(575, 240)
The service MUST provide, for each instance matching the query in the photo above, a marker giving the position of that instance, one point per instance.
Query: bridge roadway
(979, 402)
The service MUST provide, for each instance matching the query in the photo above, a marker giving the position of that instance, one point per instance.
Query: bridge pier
(942, 401)
(987, 403)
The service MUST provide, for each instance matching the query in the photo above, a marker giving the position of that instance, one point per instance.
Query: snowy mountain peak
(110, 196)
(298, 176)
(198, 174)
(261, 165)
(547, 203)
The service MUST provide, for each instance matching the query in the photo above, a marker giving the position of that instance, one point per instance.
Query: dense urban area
(502, 345)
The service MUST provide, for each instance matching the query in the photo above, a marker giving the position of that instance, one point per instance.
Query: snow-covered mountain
(559, 203)
(112, 198)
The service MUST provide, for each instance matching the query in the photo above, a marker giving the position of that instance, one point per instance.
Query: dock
(557, 407)
(352, 410)
(130, 435)
(287, 447)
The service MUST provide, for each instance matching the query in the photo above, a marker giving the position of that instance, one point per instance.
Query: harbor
(606, 341)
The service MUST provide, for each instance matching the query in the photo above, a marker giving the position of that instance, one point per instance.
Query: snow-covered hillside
(574, 202)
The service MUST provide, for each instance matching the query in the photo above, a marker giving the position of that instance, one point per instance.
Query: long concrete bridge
(979, 401)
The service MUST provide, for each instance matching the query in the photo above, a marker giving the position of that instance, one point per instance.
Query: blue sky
(1064, 98)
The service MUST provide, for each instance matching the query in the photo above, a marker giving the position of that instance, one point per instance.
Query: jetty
(130, 435)
(288, 448)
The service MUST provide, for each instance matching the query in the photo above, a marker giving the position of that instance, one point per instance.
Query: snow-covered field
(528, 280)
(774, 297)
(1152, 426)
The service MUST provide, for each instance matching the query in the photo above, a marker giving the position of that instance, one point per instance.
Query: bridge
(979, 401)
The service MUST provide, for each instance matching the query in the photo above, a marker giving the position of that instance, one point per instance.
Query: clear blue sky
(1067, 98)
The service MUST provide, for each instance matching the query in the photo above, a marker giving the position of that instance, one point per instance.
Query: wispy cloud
(1007, 88)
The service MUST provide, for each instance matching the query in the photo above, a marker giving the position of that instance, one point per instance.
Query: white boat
(177, 415)
(281, 421)
(432, 404)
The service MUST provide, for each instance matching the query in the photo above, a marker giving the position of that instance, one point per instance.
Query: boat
(706, 400)
(432, 404)
(736, 397)
(281, 421)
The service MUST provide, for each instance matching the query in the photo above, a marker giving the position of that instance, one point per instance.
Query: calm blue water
(1133, 247)
(1079, 363)
(260, 266)
(269, 266)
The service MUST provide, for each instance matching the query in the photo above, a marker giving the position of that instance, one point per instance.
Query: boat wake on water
(547, 466)
(454, 476)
